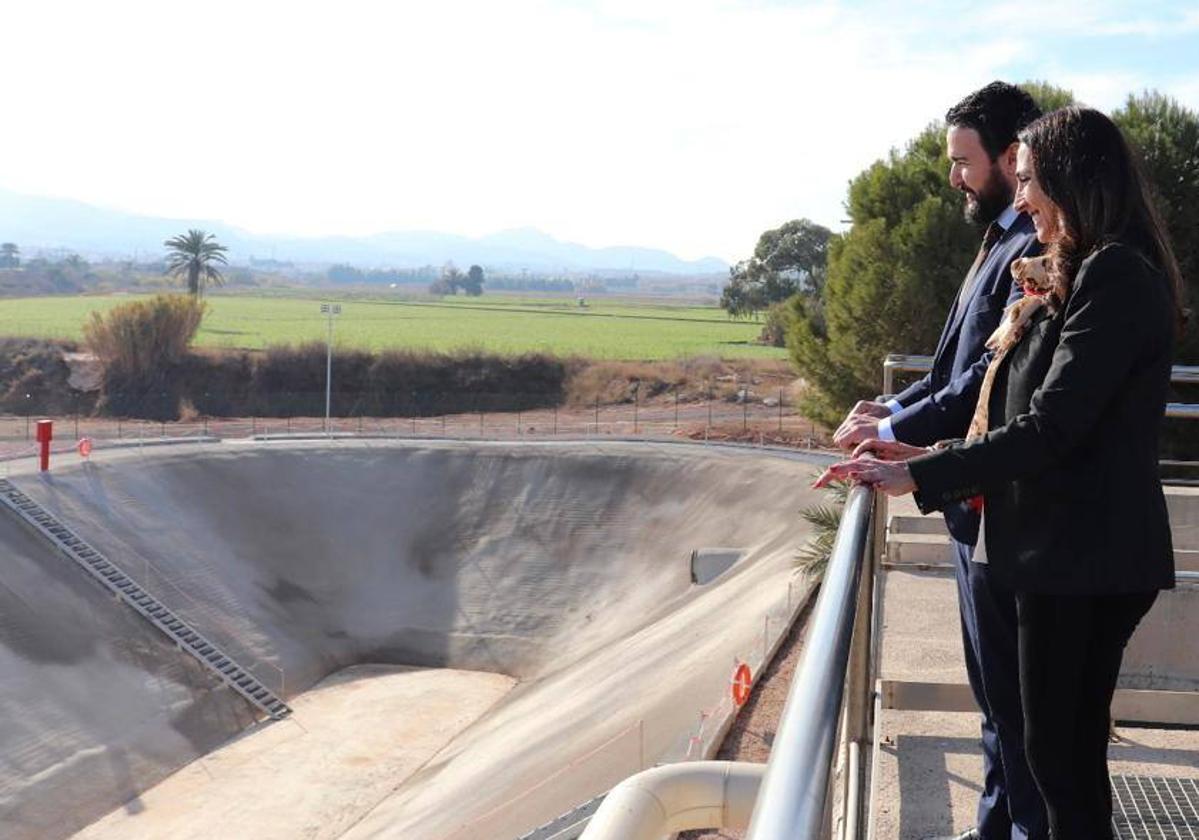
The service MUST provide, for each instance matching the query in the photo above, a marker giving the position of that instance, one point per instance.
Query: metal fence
(765, 418)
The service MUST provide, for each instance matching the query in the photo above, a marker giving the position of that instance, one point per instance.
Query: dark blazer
(939, 406)
(1069, 471)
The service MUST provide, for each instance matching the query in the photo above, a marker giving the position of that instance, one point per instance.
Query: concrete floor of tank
(349, 743)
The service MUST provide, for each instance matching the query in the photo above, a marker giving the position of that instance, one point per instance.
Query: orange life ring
(743, 681)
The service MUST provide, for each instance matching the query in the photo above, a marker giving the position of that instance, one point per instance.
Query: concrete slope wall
(93, 703)
(531, 560)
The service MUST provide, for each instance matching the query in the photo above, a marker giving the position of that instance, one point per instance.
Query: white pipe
(678, 797)
(853, 796)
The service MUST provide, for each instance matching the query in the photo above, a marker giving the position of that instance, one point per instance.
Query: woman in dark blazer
(1075, 520)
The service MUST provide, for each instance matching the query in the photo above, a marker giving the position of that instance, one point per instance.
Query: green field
(620, 329)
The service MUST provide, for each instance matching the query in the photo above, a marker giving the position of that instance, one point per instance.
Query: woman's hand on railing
(892, 478)
(888, 450)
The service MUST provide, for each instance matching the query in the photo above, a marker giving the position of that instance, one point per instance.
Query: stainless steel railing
(1179, 375)
(793, 798)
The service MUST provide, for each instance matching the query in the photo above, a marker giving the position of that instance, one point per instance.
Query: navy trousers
(1011, 806)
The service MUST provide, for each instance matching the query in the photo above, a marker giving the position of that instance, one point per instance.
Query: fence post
(636, 404)
(745, 411)
(555, 420)
(597, 415)
(676, 405)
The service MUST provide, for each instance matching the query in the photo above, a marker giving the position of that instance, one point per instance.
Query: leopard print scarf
(1039, 292)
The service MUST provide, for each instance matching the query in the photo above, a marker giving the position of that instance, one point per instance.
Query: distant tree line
(452, 280)
(10, 255)
(511, 283)
(343, 273)
(39, 275)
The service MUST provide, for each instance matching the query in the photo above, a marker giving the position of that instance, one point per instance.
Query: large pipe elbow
(678, 797)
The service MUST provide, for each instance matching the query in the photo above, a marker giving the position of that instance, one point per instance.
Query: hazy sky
(689, 125)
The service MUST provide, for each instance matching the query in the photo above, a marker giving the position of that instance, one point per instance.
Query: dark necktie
(994, 231)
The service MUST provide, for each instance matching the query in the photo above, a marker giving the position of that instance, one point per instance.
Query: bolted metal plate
(1155, 808)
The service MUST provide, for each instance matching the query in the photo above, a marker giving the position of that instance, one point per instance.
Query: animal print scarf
(1033, 276)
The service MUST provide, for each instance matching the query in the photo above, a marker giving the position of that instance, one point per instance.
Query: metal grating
(1155, 808)
(568, 826)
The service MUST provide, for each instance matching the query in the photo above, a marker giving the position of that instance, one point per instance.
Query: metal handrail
(1179, 375)
(792, 799)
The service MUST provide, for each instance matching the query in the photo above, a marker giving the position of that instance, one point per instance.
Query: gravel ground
(753, 732)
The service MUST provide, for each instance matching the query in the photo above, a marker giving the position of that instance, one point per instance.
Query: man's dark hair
(998, 112)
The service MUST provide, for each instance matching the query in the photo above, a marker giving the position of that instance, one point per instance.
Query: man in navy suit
(982, 145)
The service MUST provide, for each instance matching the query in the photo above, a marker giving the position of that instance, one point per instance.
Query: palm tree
(195, 254)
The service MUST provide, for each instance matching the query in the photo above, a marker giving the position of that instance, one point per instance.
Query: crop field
(616, 329)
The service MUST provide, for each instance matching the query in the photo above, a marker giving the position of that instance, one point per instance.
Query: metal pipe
(1179, 374)
(1184, 374)
(853, 795)
(677, 797)
(1187, 411)
(792, 800)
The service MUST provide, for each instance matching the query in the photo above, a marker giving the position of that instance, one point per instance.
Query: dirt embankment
(35, 378)
(53, 378)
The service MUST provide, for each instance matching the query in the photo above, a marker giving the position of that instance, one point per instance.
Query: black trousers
(1070, 651)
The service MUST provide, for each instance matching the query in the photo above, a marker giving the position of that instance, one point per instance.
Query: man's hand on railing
(870, 408)
(860, 424)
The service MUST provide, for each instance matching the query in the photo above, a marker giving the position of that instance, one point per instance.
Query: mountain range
(40, 223)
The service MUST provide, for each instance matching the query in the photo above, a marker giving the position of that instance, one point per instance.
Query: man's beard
(994, 197)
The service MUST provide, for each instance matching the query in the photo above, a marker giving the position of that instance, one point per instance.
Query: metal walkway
(1155, 808)
(108, 575)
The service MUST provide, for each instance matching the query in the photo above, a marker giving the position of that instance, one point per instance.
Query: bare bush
(145, 335)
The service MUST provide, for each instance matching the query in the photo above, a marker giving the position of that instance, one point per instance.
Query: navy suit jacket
(940, 405)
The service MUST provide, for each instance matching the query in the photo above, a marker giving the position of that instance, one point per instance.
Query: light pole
(329, 310)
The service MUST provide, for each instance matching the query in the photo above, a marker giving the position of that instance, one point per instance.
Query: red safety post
(45, 433)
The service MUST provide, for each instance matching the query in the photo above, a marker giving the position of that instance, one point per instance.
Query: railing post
(859, 701)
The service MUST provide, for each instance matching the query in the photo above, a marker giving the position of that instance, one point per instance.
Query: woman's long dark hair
(1086, 167)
